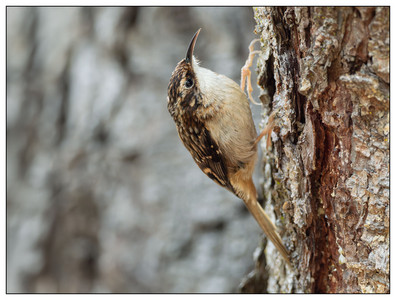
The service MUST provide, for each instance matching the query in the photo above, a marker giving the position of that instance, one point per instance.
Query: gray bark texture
(101, 194)
(327, 176)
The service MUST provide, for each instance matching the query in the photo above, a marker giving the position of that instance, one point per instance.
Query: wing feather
(207, 155)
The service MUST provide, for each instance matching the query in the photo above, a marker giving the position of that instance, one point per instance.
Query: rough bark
(327, 176)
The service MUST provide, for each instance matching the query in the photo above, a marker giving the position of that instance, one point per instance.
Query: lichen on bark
(327, 177)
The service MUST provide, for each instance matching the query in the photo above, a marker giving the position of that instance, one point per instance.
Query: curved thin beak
(190, 51)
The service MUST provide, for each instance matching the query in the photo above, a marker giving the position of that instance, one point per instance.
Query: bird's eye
(189, 83)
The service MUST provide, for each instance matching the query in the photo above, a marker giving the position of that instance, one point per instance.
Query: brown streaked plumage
(214, 122)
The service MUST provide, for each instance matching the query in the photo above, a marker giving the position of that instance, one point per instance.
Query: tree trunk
(327, 176)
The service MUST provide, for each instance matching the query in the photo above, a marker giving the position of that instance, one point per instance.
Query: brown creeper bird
(214, 122)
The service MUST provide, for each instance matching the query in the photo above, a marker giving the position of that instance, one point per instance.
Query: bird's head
(184, 88)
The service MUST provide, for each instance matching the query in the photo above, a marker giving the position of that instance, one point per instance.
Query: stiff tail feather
(268, 227)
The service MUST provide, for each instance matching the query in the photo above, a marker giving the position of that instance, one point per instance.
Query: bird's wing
(208, 156)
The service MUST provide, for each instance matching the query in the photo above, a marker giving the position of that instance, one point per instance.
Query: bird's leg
(246, 73)
(267, 130)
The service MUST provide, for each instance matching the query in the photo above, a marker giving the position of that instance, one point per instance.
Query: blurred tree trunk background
(101, 194)
(327, 178)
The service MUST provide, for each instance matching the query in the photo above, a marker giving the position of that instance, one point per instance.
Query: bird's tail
(249, 197)
(267, 226)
